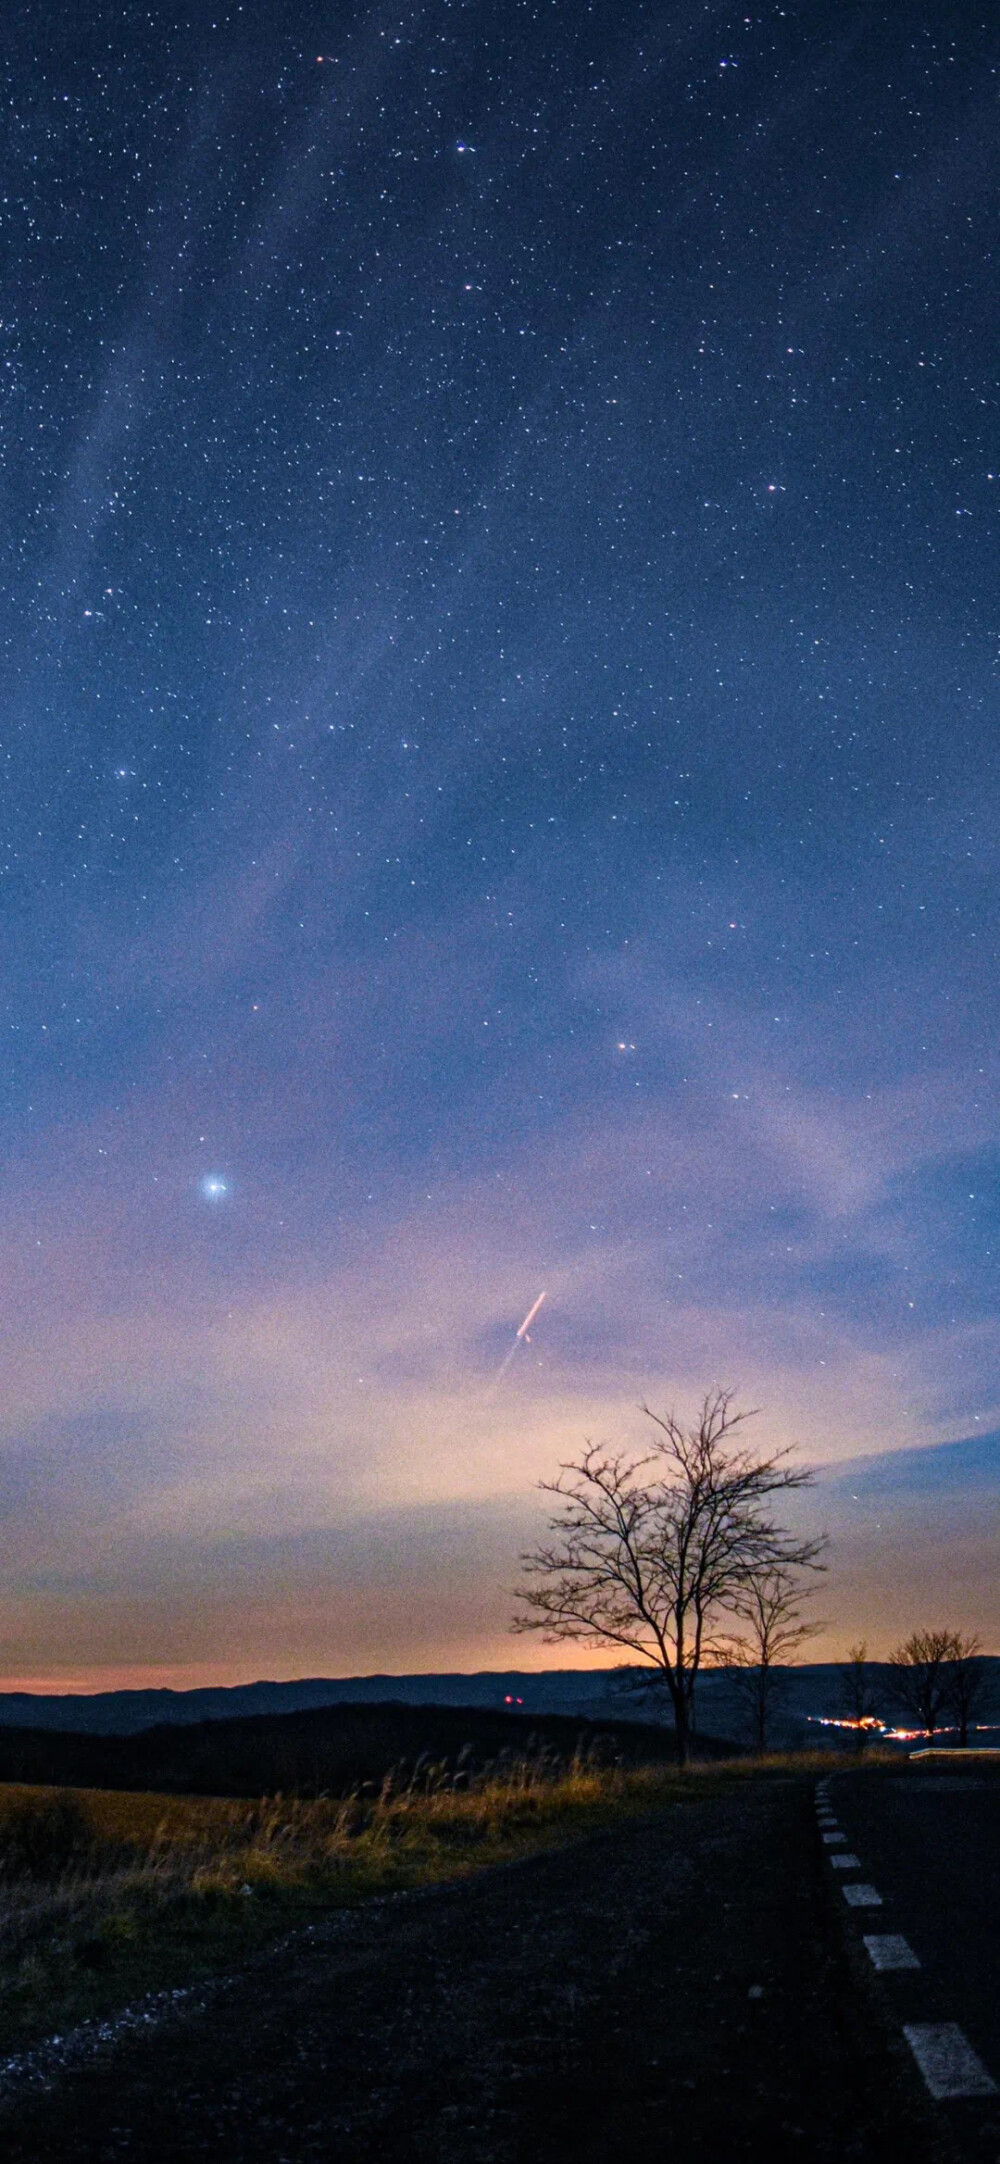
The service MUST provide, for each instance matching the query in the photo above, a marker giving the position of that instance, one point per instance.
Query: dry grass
(811, 1763)
(104, 1895)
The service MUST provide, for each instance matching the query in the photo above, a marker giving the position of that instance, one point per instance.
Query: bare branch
(650, 1548)
(920, 1669)
(769, 1605)
(968, 1682)
(859, 1697)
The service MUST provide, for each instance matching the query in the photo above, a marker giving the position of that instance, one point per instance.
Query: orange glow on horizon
(228, 1675)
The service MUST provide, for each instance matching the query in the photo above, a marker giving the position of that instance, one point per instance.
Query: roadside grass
(818, 1762)
(107, 1895)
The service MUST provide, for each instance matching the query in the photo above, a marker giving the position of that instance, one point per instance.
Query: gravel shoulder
(681, 1982)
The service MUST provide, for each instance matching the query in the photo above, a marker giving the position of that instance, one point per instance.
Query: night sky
(499, 633)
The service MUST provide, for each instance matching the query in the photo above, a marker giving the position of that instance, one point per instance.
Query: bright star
(213, 1188)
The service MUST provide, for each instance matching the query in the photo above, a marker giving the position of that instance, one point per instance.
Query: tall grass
(107, 1893)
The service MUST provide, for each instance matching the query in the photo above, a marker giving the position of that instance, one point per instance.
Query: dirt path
(677, 1988)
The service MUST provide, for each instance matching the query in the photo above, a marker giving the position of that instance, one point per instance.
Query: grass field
(106, 1895)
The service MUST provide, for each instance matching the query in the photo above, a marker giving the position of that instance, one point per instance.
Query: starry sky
(499, 642)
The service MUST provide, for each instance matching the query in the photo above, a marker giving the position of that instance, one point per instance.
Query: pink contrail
(520, 1338)
(530, 1316)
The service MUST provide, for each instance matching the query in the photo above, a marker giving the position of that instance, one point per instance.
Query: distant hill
(595, 1694)
(339, 1731)
(326, 1750)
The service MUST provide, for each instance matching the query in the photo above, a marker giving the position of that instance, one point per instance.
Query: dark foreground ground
(681, 1988)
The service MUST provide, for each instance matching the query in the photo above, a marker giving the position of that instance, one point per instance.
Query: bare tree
(920, 1669)
(967, 1683)
(649, 1551)
(858, 1694)
(769, 1604)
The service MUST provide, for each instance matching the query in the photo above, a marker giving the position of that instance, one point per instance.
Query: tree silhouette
(649, 1552)
(769, 1606)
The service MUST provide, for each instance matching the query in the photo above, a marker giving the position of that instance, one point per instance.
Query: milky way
(499, 752)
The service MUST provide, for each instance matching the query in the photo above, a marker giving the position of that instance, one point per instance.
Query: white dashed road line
(891, 1951)
(943, 2053)
(946, 2059)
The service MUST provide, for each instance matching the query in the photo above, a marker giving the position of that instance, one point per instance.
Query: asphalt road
(928, 1841)
(680, 1987)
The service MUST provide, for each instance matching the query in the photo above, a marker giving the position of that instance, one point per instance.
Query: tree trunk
(682, 1726)
(762, 1719)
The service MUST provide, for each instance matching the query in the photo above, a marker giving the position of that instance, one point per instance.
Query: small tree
(967, 1684)
(770, 1606)
(920, 1674)
(649, 1551)
(858, 1693)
